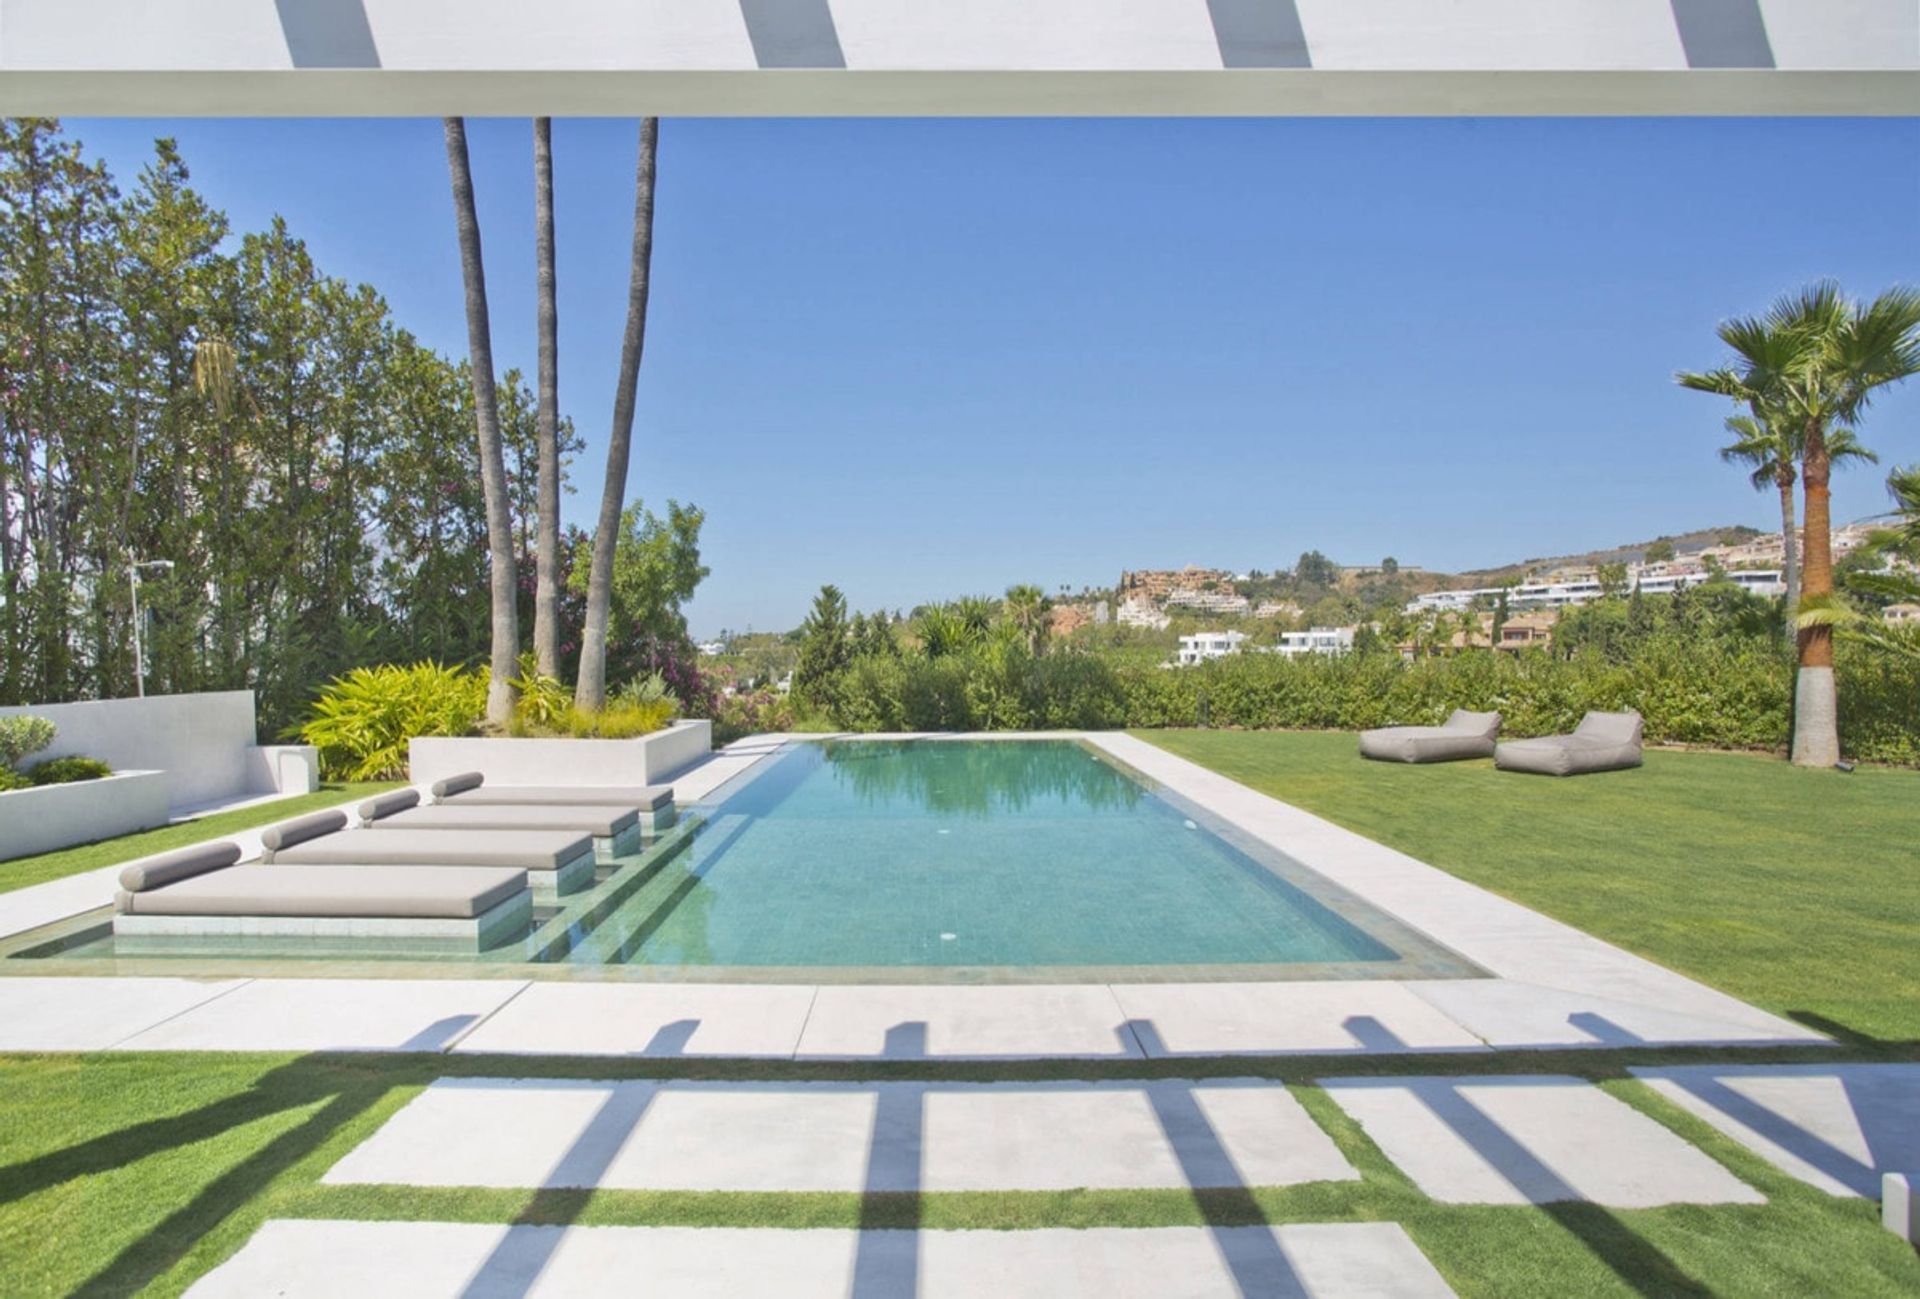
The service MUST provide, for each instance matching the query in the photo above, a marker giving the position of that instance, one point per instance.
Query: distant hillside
(1631, 553)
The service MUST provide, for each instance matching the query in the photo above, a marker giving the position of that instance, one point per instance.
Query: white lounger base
(504, 921)
(605, 849)
(575, 875)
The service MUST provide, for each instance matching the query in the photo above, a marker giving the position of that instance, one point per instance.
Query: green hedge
(1716, 693)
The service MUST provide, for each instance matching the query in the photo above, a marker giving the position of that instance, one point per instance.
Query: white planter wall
(649, 760)
(58, 816)
(203, 742)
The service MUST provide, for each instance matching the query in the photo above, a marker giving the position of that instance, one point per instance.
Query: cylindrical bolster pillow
(301, 829)
(183, 863)
(387, 804)
(459, 784)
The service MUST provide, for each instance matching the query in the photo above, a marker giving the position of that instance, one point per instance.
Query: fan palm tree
(546, 592)
(1813, 362)
(590, 692)
(1768, 447)
(1026, 608)
(503, 584)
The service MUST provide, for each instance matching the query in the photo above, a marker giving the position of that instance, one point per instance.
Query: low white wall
(204, 742)
(58, 816)
(648, 760)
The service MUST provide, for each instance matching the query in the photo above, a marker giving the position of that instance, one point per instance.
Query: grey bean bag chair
(1465, 735)
(1602, 742)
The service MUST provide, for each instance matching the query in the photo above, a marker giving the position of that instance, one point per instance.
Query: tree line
(174, 390)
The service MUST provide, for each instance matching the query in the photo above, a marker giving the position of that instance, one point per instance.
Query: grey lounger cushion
(182, 863)
(387, 804)
(300, 830)
(532, 850)
(1463, 735)
(457, 784)
(601, 822)
(1602, 742)
(647, 798)
(391, 892)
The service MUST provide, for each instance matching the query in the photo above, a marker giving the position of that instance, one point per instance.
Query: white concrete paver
(885, 1136)
(1174, 1019)
(944, 1021)
(331, 1015)
(41, 1014)
(1511, 1015)
(1837, 1127)
(348, 1260)
(1531, 1139)
(648, 1019)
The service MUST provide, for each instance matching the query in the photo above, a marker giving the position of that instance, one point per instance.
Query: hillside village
(1320, 607)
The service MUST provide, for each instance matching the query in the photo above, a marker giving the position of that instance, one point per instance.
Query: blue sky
(921, 359)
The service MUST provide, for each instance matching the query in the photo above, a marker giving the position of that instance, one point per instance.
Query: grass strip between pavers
(127, 1173)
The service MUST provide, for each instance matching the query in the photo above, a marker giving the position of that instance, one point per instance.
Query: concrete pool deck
(1552, 985)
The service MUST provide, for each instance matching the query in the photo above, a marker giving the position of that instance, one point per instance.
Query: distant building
(1139, 611)
(1222, 603)
(712, 648)
(1276, 609)
(1319, 640)
(1902, 614)
(1526, 630)
(1208, 645)
(1653, 579)
(1156, 584)
(1066, 619)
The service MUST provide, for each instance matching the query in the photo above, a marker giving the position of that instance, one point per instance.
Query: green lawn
(1795, 890)
(130, 1173)
(22, 871)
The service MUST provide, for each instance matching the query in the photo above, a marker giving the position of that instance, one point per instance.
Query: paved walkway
(349, 1260)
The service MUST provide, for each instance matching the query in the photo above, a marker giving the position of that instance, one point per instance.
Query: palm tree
(1813, 362)
(1026, 608)
(590, 694)
(493, 468)
(1768, 446)
(1900, 581)
(546, 593)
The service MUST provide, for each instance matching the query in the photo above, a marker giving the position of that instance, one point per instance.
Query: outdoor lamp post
(133, 586)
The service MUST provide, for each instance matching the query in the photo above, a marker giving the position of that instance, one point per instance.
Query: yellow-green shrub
(362, 721)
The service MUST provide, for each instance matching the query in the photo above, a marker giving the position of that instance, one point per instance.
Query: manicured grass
(140, 1172)
(22, 871)
(1796, 890)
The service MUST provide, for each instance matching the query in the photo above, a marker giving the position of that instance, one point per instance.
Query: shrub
(11, 780)
(623, 721)
(362, 721)
(751, 712)
(21, 736)
(544, 705)
(650, 688)
(65, 771)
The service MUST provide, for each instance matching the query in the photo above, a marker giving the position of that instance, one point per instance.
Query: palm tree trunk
(1789, 544)
(503, 582)
(1816, 727)
(590, 694)
(546, 594)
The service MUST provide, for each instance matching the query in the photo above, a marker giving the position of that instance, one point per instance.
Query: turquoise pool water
(897, 861)
(1002, 855)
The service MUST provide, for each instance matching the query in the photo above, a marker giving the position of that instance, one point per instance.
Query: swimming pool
(952, 860)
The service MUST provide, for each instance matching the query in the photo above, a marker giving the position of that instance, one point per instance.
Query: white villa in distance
(1584, 588)
(1206, 645)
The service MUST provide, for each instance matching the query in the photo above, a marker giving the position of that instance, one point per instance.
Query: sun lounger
(615, 830)
(556, 861)
(654, 802)
(201, 893)
(1602, 742)
(1463, 735)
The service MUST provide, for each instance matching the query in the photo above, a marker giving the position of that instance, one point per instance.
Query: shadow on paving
(343, 1087)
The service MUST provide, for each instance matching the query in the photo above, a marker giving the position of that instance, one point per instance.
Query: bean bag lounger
(1464, 735)
(1602, 742)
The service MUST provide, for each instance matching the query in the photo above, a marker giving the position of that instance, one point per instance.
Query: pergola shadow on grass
(1788, 888)
(136, 1170)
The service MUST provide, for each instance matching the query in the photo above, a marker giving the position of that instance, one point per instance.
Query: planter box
(648, 760)
(59, 816)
